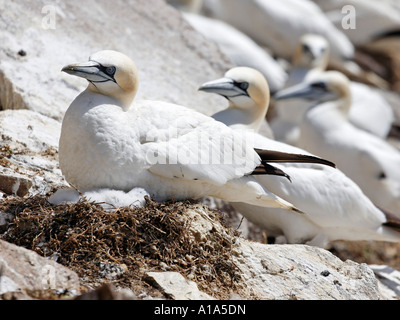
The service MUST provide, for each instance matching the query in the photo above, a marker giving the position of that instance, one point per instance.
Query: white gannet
(369, 110)
(241, 49)
(372, 18)
(326, 131)
(310, 57)
(108, 199)
(278, 24)
(170, 151)
(336, 207)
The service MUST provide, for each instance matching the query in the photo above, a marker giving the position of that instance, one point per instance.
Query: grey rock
(303, 273)
(290, 271)
(22, 269)
(14, 185)
(175, 286)
(29, 157)
(172, 58)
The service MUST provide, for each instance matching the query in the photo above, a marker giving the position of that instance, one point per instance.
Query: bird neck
(122, 98)
(252, 115)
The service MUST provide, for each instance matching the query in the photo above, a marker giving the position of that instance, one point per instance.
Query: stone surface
(173, 60)
(175, 286)
(22, 269)
(291, 271)
(29, 153)
(303, 272)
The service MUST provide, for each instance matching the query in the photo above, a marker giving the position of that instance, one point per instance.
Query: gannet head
(110, 73)
(312, 52)
(322, 87)
(244, 87)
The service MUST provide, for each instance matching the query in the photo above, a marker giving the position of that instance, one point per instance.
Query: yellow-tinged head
(110, 73)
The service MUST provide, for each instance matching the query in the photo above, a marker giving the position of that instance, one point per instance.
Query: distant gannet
(369, 110)
(310, 57)
(326, 131)
(336, 207)
(373, 19)
(170, 151)
(278, 24)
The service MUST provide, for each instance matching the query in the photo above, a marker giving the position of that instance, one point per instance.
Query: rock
(26, 129)
(290, 271)
(107, 292)
(175, 286)
(28, 153)
(14, 185)
(22, 269)
(303, 273)
(173, 60)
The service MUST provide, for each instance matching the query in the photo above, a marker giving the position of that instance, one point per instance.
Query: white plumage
(326, 131)
(336, 207)
(278, 24)
(170, 151)
(369, 110)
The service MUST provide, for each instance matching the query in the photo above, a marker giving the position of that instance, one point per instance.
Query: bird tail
(277, 156)
(248, 190)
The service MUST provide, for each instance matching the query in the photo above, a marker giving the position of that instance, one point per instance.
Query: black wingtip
(268, 169)
(392, 220)
(277, 156)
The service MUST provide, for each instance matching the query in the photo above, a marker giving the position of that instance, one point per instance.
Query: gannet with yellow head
(168, 150)
(326, 131)
(248, 104)
(336, 207)
(310, 57)
(369, 109)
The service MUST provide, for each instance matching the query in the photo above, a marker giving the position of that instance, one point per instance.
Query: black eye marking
(382, 175)
(319, 85)
(242, 85)
(305, 47)
(110, 70)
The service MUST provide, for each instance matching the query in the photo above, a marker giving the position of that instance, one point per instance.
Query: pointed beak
(90, 70)
(302, 90)
(225, 87)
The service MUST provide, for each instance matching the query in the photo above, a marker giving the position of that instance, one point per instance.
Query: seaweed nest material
(120, 247)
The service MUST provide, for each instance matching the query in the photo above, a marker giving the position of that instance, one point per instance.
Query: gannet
(170, 151)
(310, 57)
(336, 207)
(369, 110)
(326, 131)
(372, 19)
(278, 24)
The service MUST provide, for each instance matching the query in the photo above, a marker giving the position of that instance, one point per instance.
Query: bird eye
(305, 47)
(110, 70)
(319, 85)
(244, 85)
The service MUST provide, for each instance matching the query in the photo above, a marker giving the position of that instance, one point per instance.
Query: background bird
(326, 131)
(336, 207)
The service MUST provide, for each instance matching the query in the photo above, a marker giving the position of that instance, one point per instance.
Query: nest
(120, 247)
